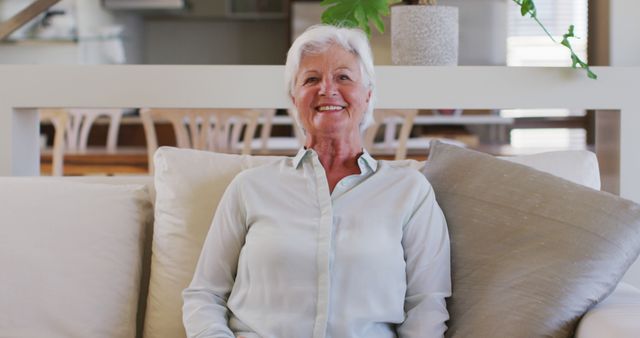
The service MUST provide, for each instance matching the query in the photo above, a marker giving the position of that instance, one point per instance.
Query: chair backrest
(59, 118)
(205, 129)
(265, 131)
(391, 119)
(79, 126)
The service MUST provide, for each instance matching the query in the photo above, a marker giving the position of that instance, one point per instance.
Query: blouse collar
(364, 160)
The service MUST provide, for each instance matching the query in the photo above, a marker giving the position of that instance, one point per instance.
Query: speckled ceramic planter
(424, 35)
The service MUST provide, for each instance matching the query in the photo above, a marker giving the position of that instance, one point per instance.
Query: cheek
(359, 97)
(302, 101)
(303, 96)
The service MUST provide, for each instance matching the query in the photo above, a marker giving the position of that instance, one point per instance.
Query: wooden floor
(98, 162)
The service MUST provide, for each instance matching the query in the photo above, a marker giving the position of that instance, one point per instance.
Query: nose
(328, 87)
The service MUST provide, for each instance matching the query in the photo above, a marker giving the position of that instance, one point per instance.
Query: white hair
(317, 39)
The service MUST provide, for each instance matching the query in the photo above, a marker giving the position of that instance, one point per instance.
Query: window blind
(527, 43)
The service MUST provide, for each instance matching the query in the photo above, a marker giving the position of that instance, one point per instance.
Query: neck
(335, 153)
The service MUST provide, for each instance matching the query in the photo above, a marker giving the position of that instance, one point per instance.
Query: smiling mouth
(329, 109)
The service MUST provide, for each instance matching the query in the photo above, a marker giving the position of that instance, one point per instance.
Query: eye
(344, 77)
(310, 79)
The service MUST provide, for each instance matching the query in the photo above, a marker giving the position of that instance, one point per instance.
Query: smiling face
(330, 94)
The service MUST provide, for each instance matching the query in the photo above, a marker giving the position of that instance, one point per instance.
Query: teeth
(325, 108)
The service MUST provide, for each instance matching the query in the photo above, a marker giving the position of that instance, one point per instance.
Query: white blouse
(284, 258)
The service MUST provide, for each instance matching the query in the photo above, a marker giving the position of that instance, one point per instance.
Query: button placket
(324, 248)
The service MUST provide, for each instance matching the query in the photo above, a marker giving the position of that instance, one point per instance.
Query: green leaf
(575, 61)
(569, 34)
(361, 16)
(524, 9)
(338, 15)
(527, 7)
(377, 21)
(367, 30)
(356, 13)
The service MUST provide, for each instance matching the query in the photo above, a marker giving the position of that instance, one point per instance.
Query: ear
(369, 96)
(293, 99)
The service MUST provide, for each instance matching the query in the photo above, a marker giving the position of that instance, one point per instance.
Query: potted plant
(363, 13)
(435, 43)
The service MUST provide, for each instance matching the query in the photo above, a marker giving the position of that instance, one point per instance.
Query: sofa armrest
(616, 316)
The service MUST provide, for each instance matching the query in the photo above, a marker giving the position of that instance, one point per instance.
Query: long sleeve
(205, 311)
(428, 268)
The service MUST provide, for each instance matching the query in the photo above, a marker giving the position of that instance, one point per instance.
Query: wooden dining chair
(59, 118)
(80, 122)
(204, 129)
(268, 144)
(394, 141)
(262, 144)
(284, 144)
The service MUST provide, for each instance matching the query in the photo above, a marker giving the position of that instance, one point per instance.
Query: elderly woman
(331, 242)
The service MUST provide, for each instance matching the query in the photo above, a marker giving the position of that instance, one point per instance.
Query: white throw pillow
(189, 185)
(70, 255)
(577, 166)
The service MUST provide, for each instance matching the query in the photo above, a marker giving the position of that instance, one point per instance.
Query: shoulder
(262, 171)
(407, 171)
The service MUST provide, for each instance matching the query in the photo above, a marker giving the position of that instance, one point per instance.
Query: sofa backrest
(217, 170)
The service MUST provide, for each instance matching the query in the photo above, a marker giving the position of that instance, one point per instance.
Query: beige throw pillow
(531, 252)
(189, 185)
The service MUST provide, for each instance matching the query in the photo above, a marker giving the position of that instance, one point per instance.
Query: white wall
(624, 30)
(483, 31)
(625, 51)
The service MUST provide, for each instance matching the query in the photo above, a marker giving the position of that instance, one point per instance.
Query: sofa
(109, 256)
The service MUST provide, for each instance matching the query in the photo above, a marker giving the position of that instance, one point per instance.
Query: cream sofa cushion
(617, 316)
(189, 185)
(71, 258)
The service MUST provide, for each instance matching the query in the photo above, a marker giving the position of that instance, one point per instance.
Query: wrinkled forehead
(335, 54)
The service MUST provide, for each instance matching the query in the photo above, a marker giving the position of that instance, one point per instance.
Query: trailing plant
(359, 13)
(527, 7)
